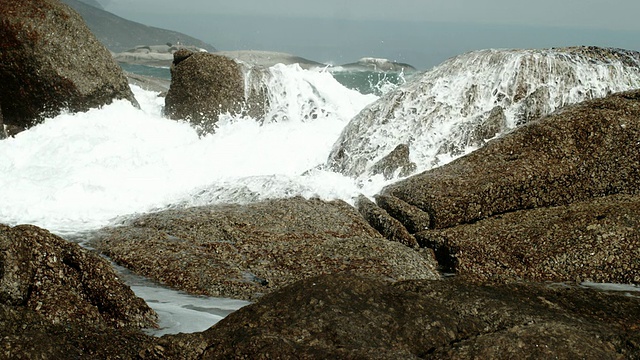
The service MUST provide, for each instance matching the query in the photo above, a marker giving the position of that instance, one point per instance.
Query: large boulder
(554, 200)
(595, 241)
(51, 62)
(342, 316)
(204, 86)
(243, 251)
(26, 334)
(64, 283)
(582, 152)
(459, 105)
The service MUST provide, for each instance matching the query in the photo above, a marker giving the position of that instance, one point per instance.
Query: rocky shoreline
(521, 222)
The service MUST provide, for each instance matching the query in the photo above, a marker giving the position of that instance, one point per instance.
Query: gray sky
(404, 30)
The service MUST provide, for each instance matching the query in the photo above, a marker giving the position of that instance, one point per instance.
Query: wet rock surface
(579, 153)
(243, 251)
(50, 62)
(396, 161)
(465, 100)
(346, 316)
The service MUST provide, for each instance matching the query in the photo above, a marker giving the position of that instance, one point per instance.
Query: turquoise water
(363, 81)
(368, 81)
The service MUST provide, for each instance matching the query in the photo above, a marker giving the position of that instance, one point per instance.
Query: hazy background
(419, 32)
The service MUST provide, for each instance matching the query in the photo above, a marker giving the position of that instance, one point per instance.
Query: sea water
(82, 171)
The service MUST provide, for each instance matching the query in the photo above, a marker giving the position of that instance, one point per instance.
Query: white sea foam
(77, 172)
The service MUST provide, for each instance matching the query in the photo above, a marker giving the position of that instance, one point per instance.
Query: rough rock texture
(586, 241)
(28, 335)
(50, 61)
(476, 134)
(242, 251)
(442, 112)
(582, 152)
(349, 317)
(380, 220)
(396, 160)
(413, 218)
(63, 282)
(203, 86)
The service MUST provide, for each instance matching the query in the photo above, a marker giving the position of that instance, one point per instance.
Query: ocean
(79, 172)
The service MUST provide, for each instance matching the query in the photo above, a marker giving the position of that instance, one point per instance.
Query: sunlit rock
(243, 251)
(51, 62)
(204, 86)
(467, 100)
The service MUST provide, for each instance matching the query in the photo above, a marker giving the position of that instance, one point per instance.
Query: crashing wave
(459, 105)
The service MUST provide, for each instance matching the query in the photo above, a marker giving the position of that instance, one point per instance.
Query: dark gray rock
(483, 128)
(242, 251)
(579, 153)
(50, 61)
(596, 240)
(396, 161)
(343, 316)
(63, 282)
(380, 220)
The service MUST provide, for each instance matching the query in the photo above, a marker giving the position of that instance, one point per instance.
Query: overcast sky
(234, 24)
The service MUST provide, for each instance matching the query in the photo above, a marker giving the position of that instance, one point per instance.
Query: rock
(64, 283)
(354, 317)
(466, 136)
(380, 220)
(413, 218)
(203, 86)
(596, 241)
(576, 154)
(453, 108)
(243, 251)
(51, 62)
(396, 161)
(28, 335)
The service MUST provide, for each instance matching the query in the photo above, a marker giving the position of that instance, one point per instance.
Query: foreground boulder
(51, 62)
(242, 251)
(594, 241)
(583, 152)
(204, 86)
(64, 283)
(343, 316)
(26, 334)
(554, 200)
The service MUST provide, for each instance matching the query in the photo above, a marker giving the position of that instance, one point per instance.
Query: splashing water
(77, 172)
